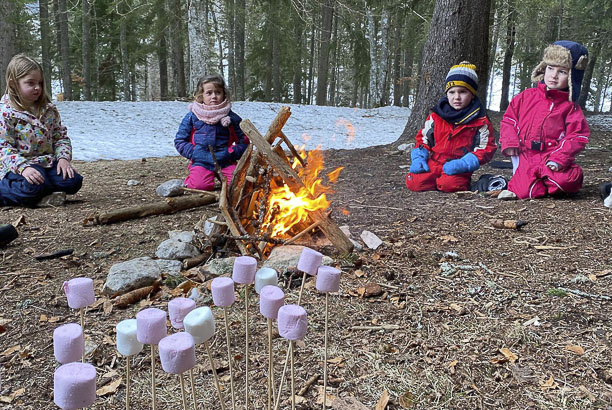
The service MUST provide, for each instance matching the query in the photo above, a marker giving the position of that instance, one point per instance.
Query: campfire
(277, 196)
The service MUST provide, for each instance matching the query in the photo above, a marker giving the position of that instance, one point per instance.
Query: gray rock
(174, 187)
(610, 169)
(283, 258)
(133, 182)
(220, 266)
(133, 274)
(182, 236)
(371, 240)
(175, 249)
(405, 147)
(169, 267)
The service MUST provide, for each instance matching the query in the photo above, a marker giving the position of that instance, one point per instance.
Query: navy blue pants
(16, 190)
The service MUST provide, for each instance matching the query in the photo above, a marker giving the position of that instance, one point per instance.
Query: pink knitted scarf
(212, 114)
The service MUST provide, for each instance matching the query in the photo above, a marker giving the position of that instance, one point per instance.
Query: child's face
(556, 78)
(459, 97)
(30, 86)
(212, 94)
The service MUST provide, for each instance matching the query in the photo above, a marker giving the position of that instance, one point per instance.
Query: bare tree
(64, 47)
(327, 14)
(86, 27)
(510, 41)
(45, 41)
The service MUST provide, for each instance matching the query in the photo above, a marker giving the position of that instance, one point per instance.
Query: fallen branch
(195, 261)
(382, 327)
(54, 255)
(167, 206)
(312, 380)
(585, 295)
(135, 296)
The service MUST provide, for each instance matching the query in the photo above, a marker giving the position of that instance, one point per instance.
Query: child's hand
(64, 167)
(33, 176)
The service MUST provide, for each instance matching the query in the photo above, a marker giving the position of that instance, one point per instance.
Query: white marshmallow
(127, 340)
(200, 323)
(265, 276)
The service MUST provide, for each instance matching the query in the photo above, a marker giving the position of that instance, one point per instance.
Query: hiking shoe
(52, 201)
(488, 182)
(8, 233)
(605, 189)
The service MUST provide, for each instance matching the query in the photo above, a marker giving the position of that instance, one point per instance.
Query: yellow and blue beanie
(462, 75)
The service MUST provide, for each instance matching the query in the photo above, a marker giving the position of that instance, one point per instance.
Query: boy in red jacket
(457, 137)
(543, 128)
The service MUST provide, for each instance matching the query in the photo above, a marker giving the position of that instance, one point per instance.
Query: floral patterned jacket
(26, 140)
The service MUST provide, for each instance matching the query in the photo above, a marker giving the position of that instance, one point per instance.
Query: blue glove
(467, 163)
(419, 158)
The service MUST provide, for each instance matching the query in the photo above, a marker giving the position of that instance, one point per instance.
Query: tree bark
(197, 28)
(298, 30)
(588, 73)
(125, 73)
(507, 67)
(397, 57)
(64, 47)
(327, 14)
(85, 45)
(45, 42)
(276, 75)
(231, 18)
(178, 50)
(239, 45)
(311, 64)
(459, 31)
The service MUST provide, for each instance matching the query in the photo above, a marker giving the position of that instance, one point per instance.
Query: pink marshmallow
(292, 322)
(244, 270)
(150, 326)
(310, 260)
(177, 353)
(271, 298)
(80, 292)
(223, 291)
(328, 279)
(178, 309)
(68, 343)
(74, 386)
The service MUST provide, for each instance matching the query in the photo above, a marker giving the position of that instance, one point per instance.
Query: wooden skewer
(183, 391)
(193, 393)
(270, 364)
(127, 383)
(229, 357)
(325, 354)
(246, 347)
(292, 376)
(153, 394)
(82, 314)
(212, 366)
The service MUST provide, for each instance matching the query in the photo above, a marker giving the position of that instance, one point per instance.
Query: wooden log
(292, 149)
(277, 124)
(238, 180)
(167, 206)
(291, 178)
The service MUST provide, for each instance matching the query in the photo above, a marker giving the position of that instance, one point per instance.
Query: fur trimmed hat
(568, 54)
(462, 75)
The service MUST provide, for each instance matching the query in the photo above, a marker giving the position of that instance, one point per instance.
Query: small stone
(173, 187)
(506, 195)
(372, 290)
(405, 147)
(133, 182)
(371, 240)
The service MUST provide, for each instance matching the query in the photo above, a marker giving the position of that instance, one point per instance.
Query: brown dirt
(432, 338)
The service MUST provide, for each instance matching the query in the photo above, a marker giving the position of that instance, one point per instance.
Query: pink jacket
(546, 122)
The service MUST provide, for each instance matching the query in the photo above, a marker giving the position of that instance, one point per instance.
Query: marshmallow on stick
(178, 308)
(80, 292)
(223, 295)
(150, 329)
(271, 299)
(265, 276)
(68, 343)
(309, 261)
(328, 280)
(128, 345)
(292, 325)
(74, 386)
(200, 323)
(177, 354)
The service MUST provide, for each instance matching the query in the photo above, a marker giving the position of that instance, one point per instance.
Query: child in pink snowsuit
(544, 128)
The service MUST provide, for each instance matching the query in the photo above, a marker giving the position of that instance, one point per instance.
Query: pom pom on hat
(567, 54)
(462, 75)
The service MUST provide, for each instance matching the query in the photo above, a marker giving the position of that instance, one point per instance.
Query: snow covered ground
(134, 130)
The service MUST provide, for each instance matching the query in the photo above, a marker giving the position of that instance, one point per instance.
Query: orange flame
(287, 208)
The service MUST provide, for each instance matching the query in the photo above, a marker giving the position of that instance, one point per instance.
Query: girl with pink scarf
(210, 127)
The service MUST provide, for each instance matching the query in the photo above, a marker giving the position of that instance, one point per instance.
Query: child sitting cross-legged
(457, 137)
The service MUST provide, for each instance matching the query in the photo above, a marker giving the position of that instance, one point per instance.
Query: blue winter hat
(567, 54)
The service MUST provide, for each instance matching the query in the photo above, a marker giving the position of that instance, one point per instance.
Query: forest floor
(494, 324)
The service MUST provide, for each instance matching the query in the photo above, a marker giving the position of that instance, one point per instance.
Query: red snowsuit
(446, 142)
(544, 126)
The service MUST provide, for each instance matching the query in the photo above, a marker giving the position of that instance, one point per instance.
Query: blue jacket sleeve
(182, 140)
(242, 140)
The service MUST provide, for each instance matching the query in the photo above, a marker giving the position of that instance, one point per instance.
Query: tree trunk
(219, 43)
(162, 57)
(327, 14)
(371, 35)
(383, 76)
(7, 39)
(45, 42)
(334, 65)
(397, 58)
(231, 67)
(197, 28)
(507, 67)
(276, 76)
(459, 30)
(125, 74)
(493, 48)
(588, 73)
(86, 27)
(298, 30)
(178, 50)
(311, 64)
(64, 47)
(239, 59)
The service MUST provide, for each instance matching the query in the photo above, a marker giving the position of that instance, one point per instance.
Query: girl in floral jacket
(35, 151)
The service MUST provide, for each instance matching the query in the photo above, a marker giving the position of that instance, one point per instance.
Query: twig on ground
(585, 295)
(312, 380)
